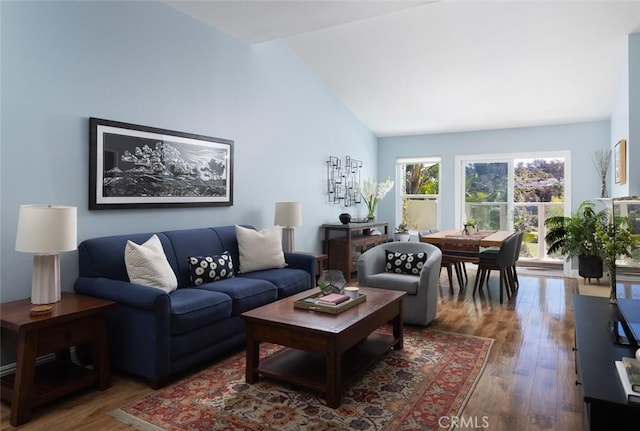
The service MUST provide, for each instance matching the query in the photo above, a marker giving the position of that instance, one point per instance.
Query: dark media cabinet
(344, 242)
(605, 403)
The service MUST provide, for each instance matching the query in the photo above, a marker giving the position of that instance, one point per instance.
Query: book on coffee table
(632, 367)
(632, 396)
(332, 299)
(312, 303)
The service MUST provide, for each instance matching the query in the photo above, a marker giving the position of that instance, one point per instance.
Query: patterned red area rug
(410, 389)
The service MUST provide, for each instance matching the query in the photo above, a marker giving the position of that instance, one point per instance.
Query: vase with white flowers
(372, 192)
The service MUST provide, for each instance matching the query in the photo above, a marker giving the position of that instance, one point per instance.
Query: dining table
(459, 246)
(484, 238)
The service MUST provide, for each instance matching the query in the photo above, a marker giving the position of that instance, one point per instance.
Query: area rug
(432, 377)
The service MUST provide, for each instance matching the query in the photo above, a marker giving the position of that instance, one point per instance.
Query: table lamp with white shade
(288, 215)
(45, 231)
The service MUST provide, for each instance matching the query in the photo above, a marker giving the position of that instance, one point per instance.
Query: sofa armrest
(302, 261)
(122, 292)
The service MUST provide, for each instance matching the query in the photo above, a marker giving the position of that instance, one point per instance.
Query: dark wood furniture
(459, 248)
(343, 242)
(321, 260)
(605, 403)
(322, 350)
(74, 321)
(484, 238)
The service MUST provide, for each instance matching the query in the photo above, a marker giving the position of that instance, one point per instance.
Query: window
(418, 191)
(516, 191)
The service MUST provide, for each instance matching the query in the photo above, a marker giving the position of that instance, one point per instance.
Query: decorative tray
(309, 303)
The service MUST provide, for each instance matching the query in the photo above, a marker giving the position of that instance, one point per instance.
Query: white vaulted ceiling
(407, 67)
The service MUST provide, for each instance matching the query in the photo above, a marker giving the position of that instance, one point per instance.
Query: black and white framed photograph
(133, 166)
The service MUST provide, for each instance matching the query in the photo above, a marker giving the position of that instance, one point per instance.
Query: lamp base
(45, 283)
(287, 239)
(39, 310)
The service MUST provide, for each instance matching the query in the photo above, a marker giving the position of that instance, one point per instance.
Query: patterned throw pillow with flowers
(205, 269)
(405, 263)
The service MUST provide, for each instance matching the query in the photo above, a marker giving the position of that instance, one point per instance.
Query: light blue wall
(620, 126)
(633, 143)
(625, 118)
(146, 63)
(581, 139)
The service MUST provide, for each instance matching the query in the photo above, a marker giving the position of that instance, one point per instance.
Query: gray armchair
(420, 304)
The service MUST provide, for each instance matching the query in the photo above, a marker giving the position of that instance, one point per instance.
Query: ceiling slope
(428, 67)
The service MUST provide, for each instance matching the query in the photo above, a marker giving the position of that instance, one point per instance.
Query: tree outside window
(419, 181)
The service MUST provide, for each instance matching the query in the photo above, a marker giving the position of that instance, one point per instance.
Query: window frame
(401, 162)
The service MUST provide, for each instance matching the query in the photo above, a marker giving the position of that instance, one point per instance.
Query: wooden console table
(605, 404)
(341, 241)
(75, 320)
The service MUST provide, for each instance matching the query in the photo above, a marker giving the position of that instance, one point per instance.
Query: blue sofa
(154, 334)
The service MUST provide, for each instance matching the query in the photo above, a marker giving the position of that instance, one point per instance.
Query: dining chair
(517, 258)
(459, 251)
(444, 263)
(502, 260)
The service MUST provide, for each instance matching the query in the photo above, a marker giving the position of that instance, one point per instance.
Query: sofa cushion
(193, 308)
(260, 249)
(103, 257)
(404, 263)
(147, 264)
(287, 280)
(246, 293)
(229, 241)
(193, 242)
(205, 269)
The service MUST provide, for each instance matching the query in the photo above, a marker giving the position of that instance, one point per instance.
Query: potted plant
(471, 223)
(614, 240)
(402, 232)
(575, 236)
(372, 193)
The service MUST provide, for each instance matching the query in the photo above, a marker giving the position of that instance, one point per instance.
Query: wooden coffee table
(323, 350)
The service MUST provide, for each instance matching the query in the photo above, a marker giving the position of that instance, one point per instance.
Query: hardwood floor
(528, 383)
(529, 380)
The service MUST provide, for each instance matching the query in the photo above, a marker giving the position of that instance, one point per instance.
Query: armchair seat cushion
(392, 281)
(195, 308)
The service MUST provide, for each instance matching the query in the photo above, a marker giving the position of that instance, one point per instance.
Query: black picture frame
(133, 166)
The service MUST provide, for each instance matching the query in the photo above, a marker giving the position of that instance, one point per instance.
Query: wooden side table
(321, 260)
(75, 320)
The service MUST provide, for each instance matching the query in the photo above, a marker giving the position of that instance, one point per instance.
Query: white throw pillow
(260, 249)
(147, 264)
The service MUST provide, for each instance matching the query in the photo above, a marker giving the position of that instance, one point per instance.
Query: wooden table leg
(333, 374)
(252, 357)
(24, 378)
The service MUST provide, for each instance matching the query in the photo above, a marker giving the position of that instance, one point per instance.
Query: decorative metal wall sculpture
(343, 181)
